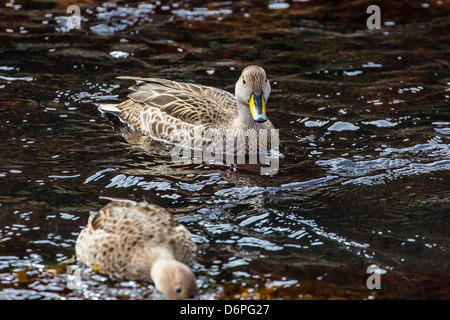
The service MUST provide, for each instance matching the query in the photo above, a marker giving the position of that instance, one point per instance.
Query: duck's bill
(258, 107)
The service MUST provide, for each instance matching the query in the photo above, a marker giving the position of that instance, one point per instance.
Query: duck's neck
(143, 259)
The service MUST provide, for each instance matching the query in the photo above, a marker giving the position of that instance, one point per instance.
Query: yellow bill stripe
(252, 105)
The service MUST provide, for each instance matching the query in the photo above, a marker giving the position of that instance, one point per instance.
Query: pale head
(174, 279)
(253, 90)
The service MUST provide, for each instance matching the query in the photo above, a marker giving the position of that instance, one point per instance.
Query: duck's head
(174, 279)
(253, 90)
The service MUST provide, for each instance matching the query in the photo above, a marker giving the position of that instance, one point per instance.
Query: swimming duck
(140, 241)
(192, 114)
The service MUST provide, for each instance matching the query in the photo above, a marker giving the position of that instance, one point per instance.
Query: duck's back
(158, 106)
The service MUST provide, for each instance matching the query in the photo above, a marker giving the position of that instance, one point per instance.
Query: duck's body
(198, 115)
(139, 241)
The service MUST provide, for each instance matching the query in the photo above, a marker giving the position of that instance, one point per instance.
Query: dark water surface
(364, 125)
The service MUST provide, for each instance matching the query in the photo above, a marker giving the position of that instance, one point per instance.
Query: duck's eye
(178, 289)
(243, 80)
(266, 80)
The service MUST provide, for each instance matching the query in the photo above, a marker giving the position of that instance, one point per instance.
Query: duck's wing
(187, 102)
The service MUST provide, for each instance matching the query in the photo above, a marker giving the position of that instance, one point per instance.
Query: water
(364, 126)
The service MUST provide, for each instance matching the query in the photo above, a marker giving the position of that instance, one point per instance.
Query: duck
(140, 241)
(198, 115)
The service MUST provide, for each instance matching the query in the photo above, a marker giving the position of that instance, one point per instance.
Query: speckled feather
(126, 237)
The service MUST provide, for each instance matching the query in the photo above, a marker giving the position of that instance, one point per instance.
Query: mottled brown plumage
(140, 242)
(197, 115)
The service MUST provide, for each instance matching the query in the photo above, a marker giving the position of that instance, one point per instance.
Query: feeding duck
(190, 114)
(140, 241)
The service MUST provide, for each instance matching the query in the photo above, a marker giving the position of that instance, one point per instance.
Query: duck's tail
(108, 107)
